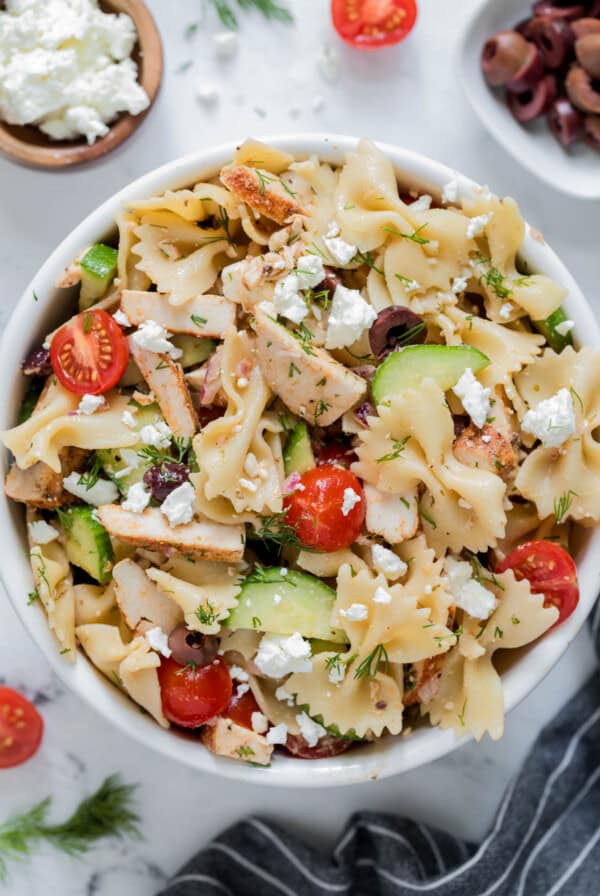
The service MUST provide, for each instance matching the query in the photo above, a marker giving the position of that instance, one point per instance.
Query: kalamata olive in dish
(592, 131)
(553, 38)
(532, 71)
(331, 281)
(391, 328)
(532, 103)
(587, 50)
(37, 363)
(165, 478)
(503, 55)
(566, 11)
(581, 27)
(192, 647)
(581, 90)
(565, 122)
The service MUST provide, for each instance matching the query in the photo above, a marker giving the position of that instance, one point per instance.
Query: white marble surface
(408, 95)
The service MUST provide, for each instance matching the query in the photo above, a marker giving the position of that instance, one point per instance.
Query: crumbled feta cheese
(328, 64)
(450, 191)
(277, 734)
(478, 224)
(351, 499)
(382, 596)
(206, 92)
(355, 613)
(422, 204)
(388, 563)
(284, 696)
(309, 271)
(242, 382)
(468, 594)
(459, 284)
(277, 598)
(137, 498)
(159, 640)
(341, 251)
(283, 571)
(242, 689)
(225, 44)
(333, 230)
(154, 338)
(506, 310)
(128, 419)
(178, 507)
(475, 398)
(349, 317)
(287, 298)
(89, 404)
(564, 327)
(310, 730)
(121, 318)
(279, 655)
(552, 421)
(156, 434)
(238, 674)
(259, 722)
(41, 532)
(102, 492)
(411, 285)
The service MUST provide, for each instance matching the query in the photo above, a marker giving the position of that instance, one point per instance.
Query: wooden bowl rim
(63, 155)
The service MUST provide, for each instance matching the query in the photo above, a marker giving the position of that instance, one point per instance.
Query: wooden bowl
(27, 144)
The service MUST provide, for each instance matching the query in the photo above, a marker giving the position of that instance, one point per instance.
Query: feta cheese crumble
(351, 499)
(355, 613)
(206, 92)
(552, 421)
(158, 434)
(287, 298)
(159, 640)
(450, 191)
(468, 594)
(564, 327)
(388, 563)
(178, 506)
(259, 722)
(475, 398)
(310, 730)
(336, 671)
(279, 655)
(121, 318)
(284, 696)
(102, 492)
(41, 532)
(349, 317)
(422, 204)
(137, 498)
(459, 284)
(128, 419)
(477, 225)
(154, 338)
(506, 310)
(89, 404)
(277, 734)
(238, 674)
(341, 251)
(382, 596)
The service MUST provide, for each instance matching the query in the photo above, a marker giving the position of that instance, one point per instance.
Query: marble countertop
(409, 96)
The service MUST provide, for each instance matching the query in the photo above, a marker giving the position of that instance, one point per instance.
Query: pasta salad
(313, 448)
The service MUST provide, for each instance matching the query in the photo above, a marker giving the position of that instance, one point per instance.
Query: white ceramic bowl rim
(32, 319)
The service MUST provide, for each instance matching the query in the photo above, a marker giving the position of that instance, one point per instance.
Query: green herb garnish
(268, 8)
(398, 448)
(563, 504)
(371, 663)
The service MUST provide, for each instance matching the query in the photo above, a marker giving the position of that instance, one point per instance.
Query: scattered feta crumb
(121, 318)
(238, 674)
(242, 689)
(564, 327)
(422, 204)
(287, 298)
(328, 64)
(159, 640)
(277, 734)
(553, 420)
(242, 382)
(89, 404)
(154, 338)
(206, 93)
(468, 594)
(102, 492)
(284, 696)
(351, 499)
(137, 498)
(128, 419)
(260, 723)
(309, 271)
(506, 310)
(355, 613)
(382, 596)
(336, 672)
(225, 44)
(341, 251)
(178, 506)
(475, 398)
(478, 224)
(310, 730)
(158, 434)
(450, 191)
(277, 598)
(41, 532)
(349, 317)
(283, 571)
(388, 563)
(459, 284)
(279, 655)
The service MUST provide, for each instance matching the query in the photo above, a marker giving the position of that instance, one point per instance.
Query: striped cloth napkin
(545, 839)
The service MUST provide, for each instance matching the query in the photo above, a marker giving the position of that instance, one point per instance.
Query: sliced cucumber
(195, 350)
(305, 605)
(87, 542)
(98, 268)
(298, 455)
(406, 368)
(548, 330)
(124, 465)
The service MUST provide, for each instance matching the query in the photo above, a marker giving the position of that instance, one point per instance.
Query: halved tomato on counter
(90, 353)
(370, 24)
(21, 728)
(550, 571)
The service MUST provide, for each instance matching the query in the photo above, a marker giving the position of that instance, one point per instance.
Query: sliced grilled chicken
(486, 449)
(205, 315)
(266, 193)
(41, 487)
(165, 379)
(212, 541)
(225, 738)
(309, 381)
(395, 517)
(141, 603)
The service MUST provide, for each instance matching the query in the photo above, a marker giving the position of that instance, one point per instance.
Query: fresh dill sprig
(270, 9)
(90, 476)
(106, 813)
(268, 575)
(494, 278)
(275, 530)
(264, 178)
(398, 448)
(410, 334)
(413, 237)
(563, 504)
(371, 663)
(207, 615)
(304, 337)
(366, 258)
(175, 453)
(482, 575)
(321, 408)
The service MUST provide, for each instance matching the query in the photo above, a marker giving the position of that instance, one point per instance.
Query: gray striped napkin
(545, 839)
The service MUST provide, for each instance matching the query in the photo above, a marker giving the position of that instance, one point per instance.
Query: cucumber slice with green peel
(124, 466)
(87, 542)
(406, 368)
(195, 349)
(298, 455)
(548, 330)
(98, 268)
(304, 606)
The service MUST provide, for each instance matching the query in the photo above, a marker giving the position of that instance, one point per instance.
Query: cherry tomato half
(327, 747)
(21, 728)
(191, 696)
(550, 571)
(370, 24)
(316, 508)
(241, 708)
(337, 453)
(90, 353)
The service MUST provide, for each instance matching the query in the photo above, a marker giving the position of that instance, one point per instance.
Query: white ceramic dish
(575, 171)
(31, 320)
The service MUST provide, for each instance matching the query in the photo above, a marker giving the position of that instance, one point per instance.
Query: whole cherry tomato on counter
(90, 353)
(550, 571)
(327, 508)
(370, 24)
(21, 728)
(193, 695)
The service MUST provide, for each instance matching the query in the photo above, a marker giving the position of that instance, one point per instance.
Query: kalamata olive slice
(393, 327)
(587, 50)
(503, 55)
(37, 363)
(581, 27)
(592, 131)
(565, 122)
(192, 647)
(581, 90)
(533, 103)
(165, 478)
(566, 11)
(331, 281)
(530, 73)
(553, 38)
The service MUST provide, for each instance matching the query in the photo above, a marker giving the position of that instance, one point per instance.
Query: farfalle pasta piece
(96, 604)
(53, 580)
(461, 506)
(202, 202)
(128, 276)
(573, 469)
(470, 696)
(277, 711)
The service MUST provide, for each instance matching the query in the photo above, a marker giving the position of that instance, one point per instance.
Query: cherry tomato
(315, 509)
(21, 728)
(191, 696)
(90, 353)
(550, 571)
(327, 747)
(370, 24)
(336, 453)
(241, 708)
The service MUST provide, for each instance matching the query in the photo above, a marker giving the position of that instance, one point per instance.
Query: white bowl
(576, 170)
(31, 320)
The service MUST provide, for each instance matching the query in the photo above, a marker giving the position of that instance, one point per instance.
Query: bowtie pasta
(311, 451)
